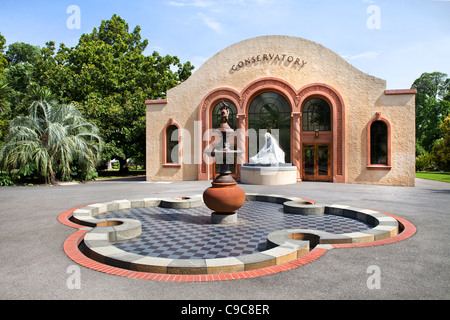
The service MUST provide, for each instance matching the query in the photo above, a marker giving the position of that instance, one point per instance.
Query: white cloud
(364, 55)
(215, 4)
(193, 3)
(249, 2)
(211, 23)
(264, 1)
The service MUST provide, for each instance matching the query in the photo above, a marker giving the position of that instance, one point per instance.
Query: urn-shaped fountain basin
(224, 198)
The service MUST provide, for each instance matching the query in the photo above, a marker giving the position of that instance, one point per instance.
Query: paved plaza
(35, 266)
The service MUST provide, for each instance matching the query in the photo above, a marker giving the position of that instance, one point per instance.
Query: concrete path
(34, 265)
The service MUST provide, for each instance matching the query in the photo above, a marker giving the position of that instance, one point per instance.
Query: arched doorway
(269, 112)
(334, 139)
(317, 138)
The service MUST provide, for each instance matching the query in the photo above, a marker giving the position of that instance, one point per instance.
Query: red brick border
(64, 218)
(408, 231)
(71, 248)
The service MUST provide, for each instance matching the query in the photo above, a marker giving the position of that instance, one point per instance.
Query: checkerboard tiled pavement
(189, 234)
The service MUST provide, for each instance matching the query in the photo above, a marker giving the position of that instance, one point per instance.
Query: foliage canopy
(107, 74)
(432, 107)
(49, 141)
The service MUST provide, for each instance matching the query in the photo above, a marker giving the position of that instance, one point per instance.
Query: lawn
(438, 176)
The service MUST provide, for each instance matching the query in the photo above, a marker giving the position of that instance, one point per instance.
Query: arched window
(378, 143)
(216, 116)
(269, 112)
(316, 115)
(172, 140)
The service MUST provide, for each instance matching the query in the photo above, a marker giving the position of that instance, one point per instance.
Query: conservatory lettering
(270, 57)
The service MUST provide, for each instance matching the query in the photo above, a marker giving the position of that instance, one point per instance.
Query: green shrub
(5, 179)
(424, 162)
(441, 149)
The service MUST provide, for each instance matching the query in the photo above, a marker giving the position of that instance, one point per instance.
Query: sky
(395, 40)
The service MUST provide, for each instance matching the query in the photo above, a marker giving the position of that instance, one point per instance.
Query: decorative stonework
(268, 84)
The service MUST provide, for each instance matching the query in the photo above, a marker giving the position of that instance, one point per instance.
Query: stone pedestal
(224, 219)
(277, 174)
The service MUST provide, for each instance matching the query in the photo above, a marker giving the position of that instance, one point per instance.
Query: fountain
(123, 243)
(224, 197)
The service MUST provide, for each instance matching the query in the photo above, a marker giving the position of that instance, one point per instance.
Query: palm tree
(5, 91)
(49, 140)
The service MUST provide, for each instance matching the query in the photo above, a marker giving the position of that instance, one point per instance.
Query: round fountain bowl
(224, 198)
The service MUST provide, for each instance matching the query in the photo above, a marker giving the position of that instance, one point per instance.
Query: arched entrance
(269, 112)
(317, 139)
(322, 133)
(311, 122)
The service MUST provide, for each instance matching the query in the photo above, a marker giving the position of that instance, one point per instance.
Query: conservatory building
(333, 122)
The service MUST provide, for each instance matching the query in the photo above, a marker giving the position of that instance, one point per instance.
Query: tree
(432, 107)
(109, 76)
(17, 84)
(5, 92)
(49, 141)
(106, 74)
(441, 150)
(19, 75)
(20, 52)
(3, 61)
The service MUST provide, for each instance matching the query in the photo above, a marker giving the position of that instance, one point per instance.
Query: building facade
(334, 122)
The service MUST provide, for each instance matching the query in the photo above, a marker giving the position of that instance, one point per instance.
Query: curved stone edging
(98, 247)
(303, 207)
(72, 243)
(284, 245)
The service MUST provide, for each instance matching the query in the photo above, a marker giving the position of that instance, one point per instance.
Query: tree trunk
(52, 178)
(123, 168)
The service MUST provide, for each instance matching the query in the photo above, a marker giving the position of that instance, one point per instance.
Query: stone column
(241, 145)
(296, 143)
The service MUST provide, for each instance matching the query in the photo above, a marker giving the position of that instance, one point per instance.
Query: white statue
(271, 153)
